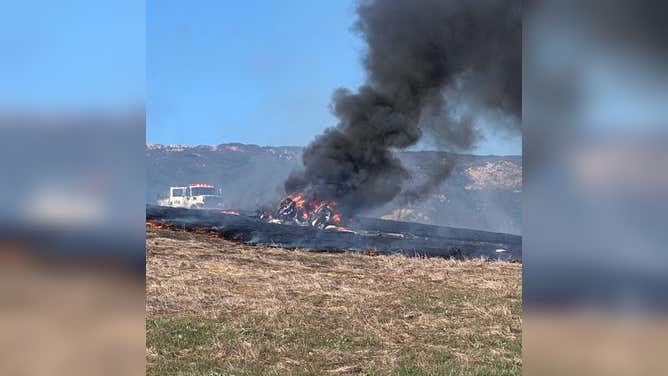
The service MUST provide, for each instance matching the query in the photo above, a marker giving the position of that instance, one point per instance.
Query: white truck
(194, 196)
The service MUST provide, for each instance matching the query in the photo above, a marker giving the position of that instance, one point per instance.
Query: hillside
(482, 192)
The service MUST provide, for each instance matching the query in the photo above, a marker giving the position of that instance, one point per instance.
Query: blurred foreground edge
(72, 256)
(595, 196)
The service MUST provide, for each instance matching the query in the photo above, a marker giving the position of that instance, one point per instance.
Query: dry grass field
(216, 307)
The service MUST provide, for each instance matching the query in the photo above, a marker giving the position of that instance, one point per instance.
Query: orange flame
(299, 200)
(306, 207)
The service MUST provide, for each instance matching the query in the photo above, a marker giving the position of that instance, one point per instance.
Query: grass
(216, 307)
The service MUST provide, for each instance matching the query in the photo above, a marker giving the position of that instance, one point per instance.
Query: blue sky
(73, 54)
(209, 71)
(258, 72)
(255, 71)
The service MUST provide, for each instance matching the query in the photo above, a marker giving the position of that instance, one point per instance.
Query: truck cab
(194, 196)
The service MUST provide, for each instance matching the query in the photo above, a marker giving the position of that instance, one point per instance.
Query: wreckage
(297, 209)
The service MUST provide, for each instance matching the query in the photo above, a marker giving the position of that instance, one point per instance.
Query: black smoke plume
(431, 66)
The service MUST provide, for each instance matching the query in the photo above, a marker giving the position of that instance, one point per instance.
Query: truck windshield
(198, 191)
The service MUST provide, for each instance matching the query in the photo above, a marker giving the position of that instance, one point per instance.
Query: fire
(298, 209)
(299, 200)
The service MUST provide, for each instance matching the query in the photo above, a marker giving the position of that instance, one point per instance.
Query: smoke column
(431, 65)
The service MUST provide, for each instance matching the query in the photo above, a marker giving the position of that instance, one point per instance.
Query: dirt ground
(216, 307)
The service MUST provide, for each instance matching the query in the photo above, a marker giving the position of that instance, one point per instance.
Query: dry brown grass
(220, 307)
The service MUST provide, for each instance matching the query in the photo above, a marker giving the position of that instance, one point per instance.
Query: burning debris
(297, 209)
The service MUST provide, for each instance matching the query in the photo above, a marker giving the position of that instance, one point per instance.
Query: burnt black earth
(362, 235)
